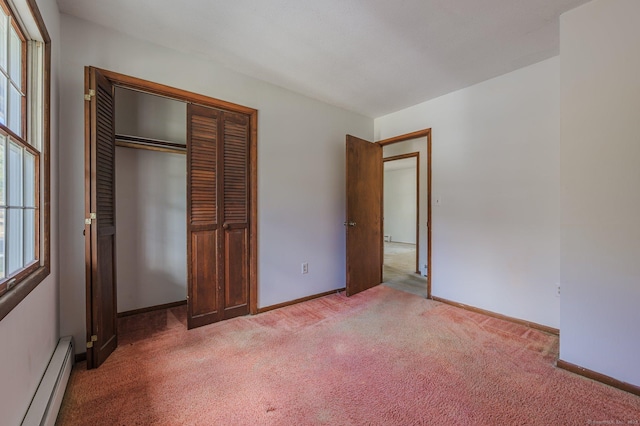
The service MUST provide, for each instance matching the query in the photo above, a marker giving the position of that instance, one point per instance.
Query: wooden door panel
(236, 281)
(236, 168)
(102, 330)
(203, 167)
(107, 335)
(203, 306)
(203, 302)
(364, 215)
(235, 152)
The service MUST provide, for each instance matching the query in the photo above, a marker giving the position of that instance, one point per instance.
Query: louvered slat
(105, 154)
(203, 170)
(235, 168)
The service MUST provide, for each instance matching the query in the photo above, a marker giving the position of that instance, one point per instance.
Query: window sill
(13, 297)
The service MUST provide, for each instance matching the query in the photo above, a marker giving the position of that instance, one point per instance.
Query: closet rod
(138, 142)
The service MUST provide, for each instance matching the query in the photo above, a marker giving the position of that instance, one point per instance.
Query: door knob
(225, 225)
(349, 223)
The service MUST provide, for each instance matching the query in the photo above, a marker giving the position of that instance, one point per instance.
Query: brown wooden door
(218, 215)
(100, 223)
(364, 215)
(235, 214)
(202, 216)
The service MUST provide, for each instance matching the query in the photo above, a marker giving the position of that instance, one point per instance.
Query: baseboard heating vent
(46, 402)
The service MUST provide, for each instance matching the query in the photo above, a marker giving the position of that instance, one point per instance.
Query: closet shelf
(137, 142)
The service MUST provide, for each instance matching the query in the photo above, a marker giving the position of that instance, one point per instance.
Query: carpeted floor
(382, 357)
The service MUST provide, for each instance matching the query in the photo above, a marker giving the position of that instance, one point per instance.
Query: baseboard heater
(46, 402)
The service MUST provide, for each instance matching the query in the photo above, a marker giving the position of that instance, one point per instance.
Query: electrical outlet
(305, 268)
(558, 291)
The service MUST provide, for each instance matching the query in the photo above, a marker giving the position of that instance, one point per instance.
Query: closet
(176, 171)
(151, 200)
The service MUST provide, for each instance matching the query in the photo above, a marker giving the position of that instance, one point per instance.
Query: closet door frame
(133, 83)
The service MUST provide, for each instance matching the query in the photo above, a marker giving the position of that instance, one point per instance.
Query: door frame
(145, 86)
(415, 155)
(406, 137)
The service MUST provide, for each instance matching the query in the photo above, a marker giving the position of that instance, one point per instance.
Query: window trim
(34, 274)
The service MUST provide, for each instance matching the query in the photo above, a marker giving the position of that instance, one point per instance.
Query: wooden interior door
(100, 223)
(364, 215)
(218, 215)
(235, 214)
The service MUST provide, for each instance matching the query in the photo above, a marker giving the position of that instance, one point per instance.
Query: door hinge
(94, 338)
(87, 97)
(90, 219)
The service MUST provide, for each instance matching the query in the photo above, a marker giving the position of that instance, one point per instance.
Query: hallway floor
(399, 269)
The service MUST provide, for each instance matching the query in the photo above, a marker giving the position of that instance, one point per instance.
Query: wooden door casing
(100, 227)
(405, 137)
(364, 215)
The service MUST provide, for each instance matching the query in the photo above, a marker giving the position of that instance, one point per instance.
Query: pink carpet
(382, 357)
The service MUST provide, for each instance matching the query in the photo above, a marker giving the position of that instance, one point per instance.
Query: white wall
(496, 171)
(151, 245)
(155, 117)
(400, 207)
(30, 332)
(600, 152)
(151, 194)
(301, 177)
(416, 145)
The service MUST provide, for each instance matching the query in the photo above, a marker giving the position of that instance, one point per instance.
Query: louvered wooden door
(235, 214)
(100, 226)
(218, 215)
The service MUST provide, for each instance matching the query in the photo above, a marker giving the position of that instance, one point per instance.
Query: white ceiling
(369, 56)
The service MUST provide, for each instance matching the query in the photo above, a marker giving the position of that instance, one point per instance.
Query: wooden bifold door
(100, 218)
(217, 214)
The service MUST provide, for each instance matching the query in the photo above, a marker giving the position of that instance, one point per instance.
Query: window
(24, 62)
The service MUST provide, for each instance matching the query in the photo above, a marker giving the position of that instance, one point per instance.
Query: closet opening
(151, 201)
